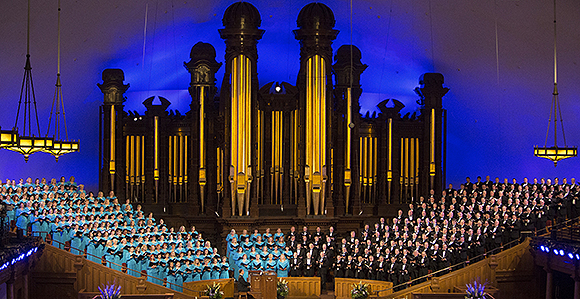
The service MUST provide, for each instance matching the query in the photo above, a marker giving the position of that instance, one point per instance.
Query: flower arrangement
(360, 291)
(475, 290)
(214, 291)
(282, 288)
(109, 291)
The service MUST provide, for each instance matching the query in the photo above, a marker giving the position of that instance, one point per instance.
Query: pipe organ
(276, 149)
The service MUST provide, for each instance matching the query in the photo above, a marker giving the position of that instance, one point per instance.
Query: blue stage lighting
(577, 256)
(561, 252)
(570, 255)
(556, 251)
(544, 248)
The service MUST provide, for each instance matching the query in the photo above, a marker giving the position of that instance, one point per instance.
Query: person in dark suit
(515, 228)
(359, 268)
(323, 265)
(349, 267)
(393, 271)
(339, 267)
(404, 271)
(423, 264)
(295, 265)
(243, 285)
(309, 265)
(444, 258)
(380, 266)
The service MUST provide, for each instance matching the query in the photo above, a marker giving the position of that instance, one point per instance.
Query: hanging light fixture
(555, 153)
(25, 143)
(59, 146)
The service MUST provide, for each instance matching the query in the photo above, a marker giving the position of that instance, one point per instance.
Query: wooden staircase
(61, 274)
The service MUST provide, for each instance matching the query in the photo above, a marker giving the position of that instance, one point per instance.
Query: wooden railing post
(78, 264)
(493, 265)
(141, 286)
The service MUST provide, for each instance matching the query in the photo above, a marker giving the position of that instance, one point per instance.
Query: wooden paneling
(88, 276)
(91, 295)
(482, 271)
(343, 286)
(302, 287)
(194, 288)
(438, 296)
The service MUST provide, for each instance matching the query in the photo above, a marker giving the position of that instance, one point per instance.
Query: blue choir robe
(246, 266)
(171, 278)
(110, 258)
(143, 264)
(11, 214)
(178, 280)
(56, 237)
(229, 238)
(247, 246)
(282, 268)
(225, 270)
(257, 265)
(215, 271)
(77, 246)
(197, 272)
(206, 274)
(45, 226)
(271, 265)
(36, 226)
(258, 244)
(264, 255)
(22, 222)
(153, 273)
(132, 266)
(91, 251)
(117, 261)
(188, 270)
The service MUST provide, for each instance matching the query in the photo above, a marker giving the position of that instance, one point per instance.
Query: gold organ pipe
(142, 159)
(170, 168)
(348, 122)
(138, 159)
(127, 158)
(322, 88)
(248, 78)
(242, 119)
(260, 139)
(390, 151)
(112, 136)
(181, 162)
(309, 141)
(273, 125)
(401, 174)
(417, 163)
(316, 117)
(412, 162)
(361, 154)
(406, 162)
(432, 147)
(235, 112)
(370, 160)
(175, 160)
(185, 150)
(375, 147)
(132, 160)
(156, 147)
(280, 130)
(201, 127)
